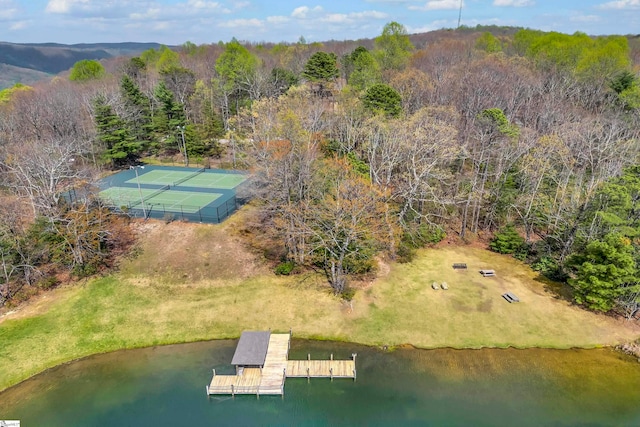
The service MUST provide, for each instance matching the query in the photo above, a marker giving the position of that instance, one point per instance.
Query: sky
(174, 22)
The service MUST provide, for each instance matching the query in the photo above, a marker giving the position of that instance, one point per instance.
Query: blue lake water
(165, 386)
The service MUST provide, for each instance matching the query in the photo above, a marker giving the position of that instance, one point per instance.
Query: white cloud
(200, 4)
(277, 19)
(585, 18)
(242, 23)
(353, 17)
(434, 25)
(303, 11)
(19, 25)
(63, 6)
(394, 1)
(152, 13)
(336, 18)
(621, 4)
(369, 14)
(438, 5)
(8, 10)
(514, 3)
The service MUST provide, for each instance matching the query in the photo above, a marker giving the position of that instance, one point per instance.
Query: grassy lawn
(197, 282)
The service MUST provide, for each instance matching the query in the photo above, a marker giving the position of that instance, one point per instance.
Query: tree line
(362, 148)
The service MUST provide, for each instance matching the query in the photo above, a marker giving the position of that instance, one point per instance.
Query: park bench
(459, 266)
(510, 297)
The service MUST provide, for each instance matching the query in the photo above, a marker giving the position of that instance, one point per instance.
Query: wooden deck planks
(253, 381)
(321, 368)
(275, 364)
(247, 383)
(270, 380)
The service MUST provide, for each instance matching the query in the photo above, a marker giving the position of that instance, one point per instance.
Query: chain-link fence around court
(175, 193)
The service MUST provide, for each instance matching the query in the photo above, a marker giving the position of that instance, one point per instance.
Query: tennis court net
(181, 180)
(152, 195)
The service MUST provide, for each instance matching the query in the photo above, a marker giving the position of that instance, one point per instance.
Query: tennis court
(199, 178)
(202, 195)
(171, 201)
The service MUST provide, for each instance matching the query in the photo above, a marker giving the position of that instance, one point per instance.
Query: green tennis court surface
(191, 179)
(176, 201)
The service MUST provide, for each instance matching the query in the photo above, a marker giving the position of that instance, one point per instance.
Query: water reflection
(166, 386)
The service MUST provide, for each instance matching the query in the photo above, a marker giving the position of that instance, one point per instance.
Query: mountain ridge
(27, 61)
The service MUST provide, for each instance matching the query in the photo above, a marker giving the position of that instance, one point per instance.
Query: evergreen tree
(321, 67)
(507, 241)
(382, 98)
(120, 147)
(138, 109)
(167, 123)
(605, 268)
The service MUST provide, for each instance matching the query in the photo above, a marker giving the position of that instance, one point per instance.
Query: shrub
(285, 268)
(48, 282)
(507, 241)
(348, 293)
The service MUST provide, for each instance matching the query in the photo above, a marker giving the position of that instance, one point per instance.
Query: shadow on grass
(561, 291)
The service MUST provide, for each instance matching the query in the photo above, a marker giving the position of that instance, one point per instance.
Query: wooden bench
(510, 297)
(488, 273)
(459, 266)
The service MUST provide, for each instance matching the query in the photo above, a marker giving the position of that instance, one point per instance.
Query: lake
(165, 386)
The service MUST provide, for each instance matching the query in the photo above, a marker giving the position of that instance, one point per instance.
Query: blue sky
(207, 21)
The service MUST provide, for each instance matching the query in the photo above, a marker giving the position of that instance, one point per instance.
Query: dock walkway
(271, 377)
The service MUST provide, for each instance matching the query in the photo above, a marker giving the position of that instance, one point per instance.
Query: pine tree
(120, 147)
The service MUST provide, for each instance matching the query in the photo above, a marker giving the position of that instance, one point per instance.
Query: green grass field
(193, 282)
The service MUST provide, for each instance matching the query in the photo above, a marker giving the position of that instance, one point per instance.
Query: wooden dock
(270, 378)
(321, 369)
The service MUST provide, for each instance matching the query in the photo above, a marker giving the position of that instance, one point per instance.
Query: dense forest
(528, 139)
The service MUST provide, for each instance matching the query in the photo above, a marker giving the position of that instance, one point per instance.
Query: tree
(136, 112)
(120, 147)
(6, 94)
(346, 222)
(393, 47)
(234, 67)
(282, 79)
(366, 70)
(622, 81)
(507, 241)
(488, 43)
(321, 67)
(86, 69)
(382, 98)
(169, 119)
(603, 271)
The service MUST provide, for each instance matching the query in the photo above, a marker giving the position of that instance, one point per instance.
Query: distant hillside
(27, 63)
(10, 75)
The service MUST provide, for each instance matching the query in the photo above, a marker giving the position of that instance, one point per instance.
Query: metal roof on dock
(252, 348)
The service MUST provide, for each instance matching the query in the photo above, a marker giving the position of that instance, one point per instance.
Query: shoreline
(622, 348)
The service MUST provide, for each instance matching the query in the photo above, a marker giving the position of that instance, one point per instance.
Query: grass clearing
(194, 282)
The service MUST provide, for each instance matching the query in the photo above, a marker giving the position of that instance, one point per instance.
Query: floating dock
(262, 366)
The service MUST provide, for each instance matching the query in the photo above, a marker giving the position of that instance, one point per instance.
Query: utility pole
(460, 14)
(184, 146)
(135, 169)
